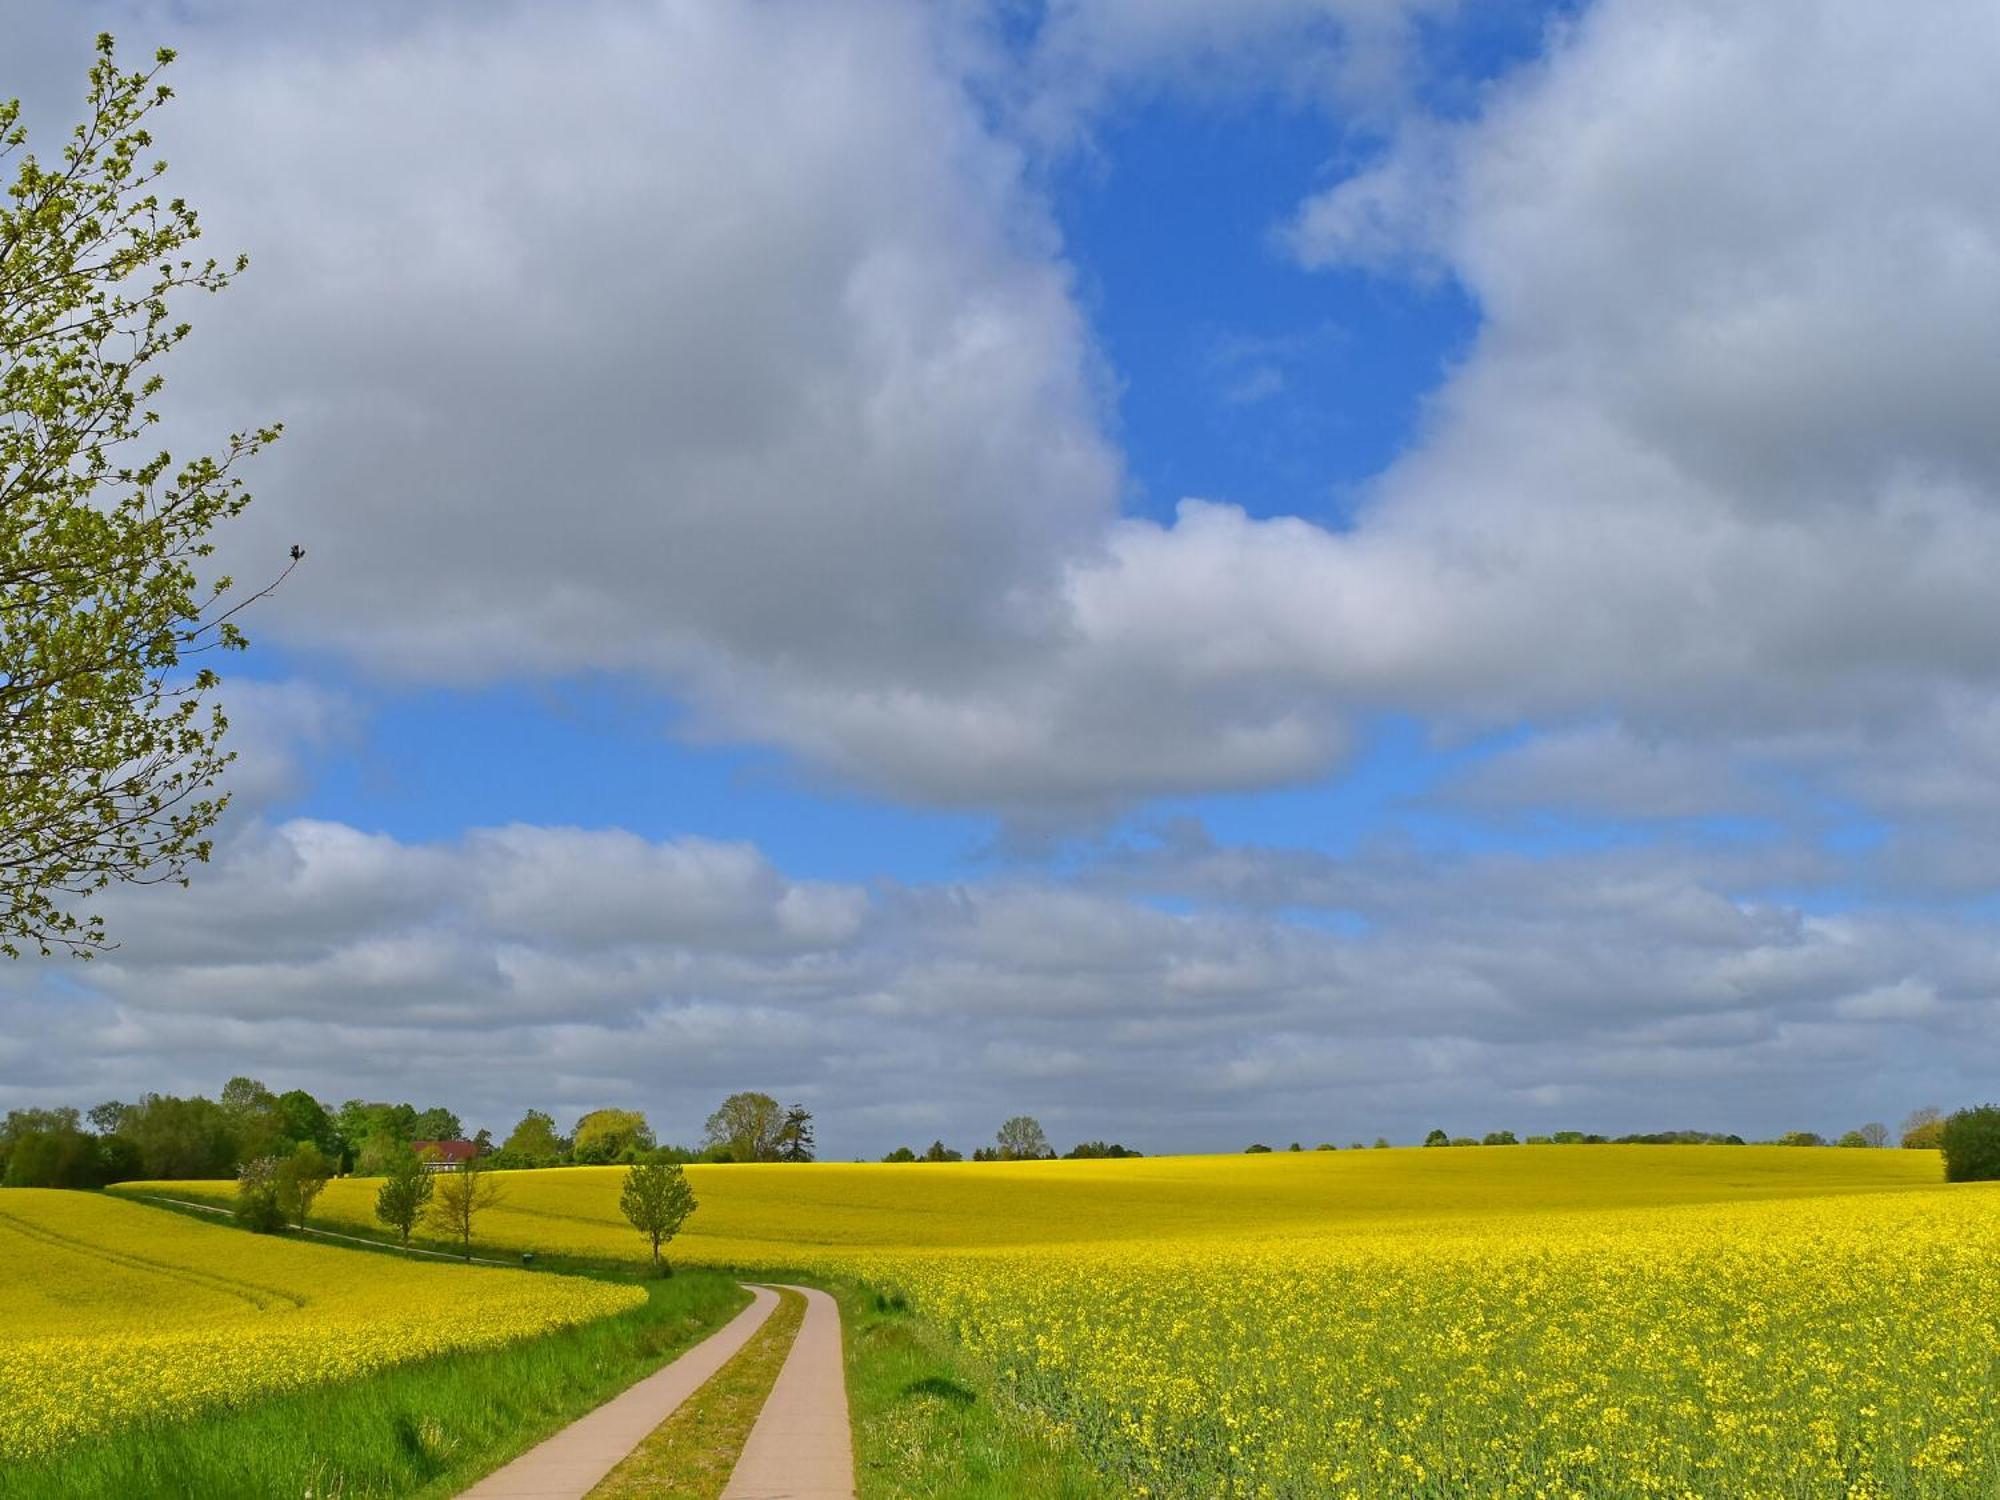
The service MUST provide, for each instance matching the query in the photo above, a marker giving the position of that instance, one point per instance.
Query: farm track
(801, 1447)
(328, 1234)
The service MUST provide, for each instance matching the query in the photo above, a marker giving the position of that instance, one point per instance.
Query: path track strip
(328, 1234)
(802, 1447)
(570, 1464)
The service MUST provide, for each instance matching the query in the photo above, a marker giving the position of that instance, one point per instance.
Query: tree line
(1020, 1138)
(168, 1137)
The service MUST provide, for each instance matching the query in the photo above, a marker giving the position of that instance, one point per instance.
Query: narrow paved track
(570, 1464)
(328, 1234)
(802, 1447)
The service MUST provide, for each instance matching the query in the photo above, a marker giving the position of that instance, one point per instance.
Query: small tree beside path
(657, 1200)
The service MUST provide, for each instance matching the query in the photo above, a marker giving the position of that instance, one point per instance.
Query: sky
(1206, 570)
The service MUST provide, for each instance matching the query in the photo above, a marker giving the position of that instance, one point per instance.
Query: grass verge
(691, 1455)
(423, 1429)
(931, 1423)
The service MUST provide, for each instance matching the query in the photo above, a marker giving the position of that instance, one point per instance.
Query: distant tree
(939, 1151)
(986, 1153)
(795, 1135)
(482, 1141)
(55, 1155)
(377, 1153)
(405, 1192)
(534, 1142)
(1538, 1140)
(105, 1118)
(1021, 1139)
(301, 1178)
(900, 1154)
(1972, 1145)
(1096, 1150)
(1801, 1138)
(1437, 1138)
(1500, 1138)
(1853, 1139)
(656, 1200)
(748, 1125)
(1924, 1130)
(181, 1138)
(436, 1124)
(254, 1121)
(1381, 1143)
(303, 1118)
(119, 1159)
(1257, 1148)
(1876, 1134)
(1326, 1146)
(1295, 1146)
(257, 1206)
(605, 1136)
(460, 1197)
(1463, 1140)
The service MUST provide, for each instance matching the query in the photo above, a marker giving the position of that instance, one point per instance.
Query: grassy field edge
(423, 1429)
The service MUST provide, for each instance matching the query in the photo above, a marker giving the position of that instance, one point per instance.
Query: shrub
(1972, 1145)
(257, 1206)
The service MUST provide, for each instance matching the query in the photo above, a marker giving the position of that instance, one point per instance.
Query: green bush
(1972, 1145)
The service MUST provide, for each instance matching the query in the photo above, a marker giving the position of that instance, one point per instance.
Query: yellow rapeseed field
(112, 1313)
(1522, 1321)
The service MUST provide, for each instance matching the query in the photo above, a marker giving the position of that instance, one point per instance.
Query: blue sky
(1300, 569)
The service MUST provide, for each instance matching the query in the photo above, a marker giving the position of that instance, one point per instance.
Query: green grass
(931, 1423)
(425, 1429)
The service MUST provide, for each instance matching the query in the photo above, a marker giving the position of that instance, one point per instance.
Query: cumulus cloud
(1203, 991)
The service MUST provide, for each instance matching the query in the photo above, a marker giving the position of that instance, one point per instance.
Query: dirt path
(802, 1447)
(570, 1464)
(328, 1234)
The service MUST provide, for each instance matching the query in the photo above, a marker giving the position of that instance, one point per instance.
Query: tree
(301, 1178)
(405, 1192)
(657, 1200)
(180, 1138)
(610, 1135)
(1801, 1138)
(1381, 1143)
(1021, 1139)
(1875, 1134)
(1093, 1150)
(257, 1206)
(795, 1135)
(460, 1197)
(1972, 1145)
(901, 1154)
(108, 763)
(746, 1125)
(1500, 1138)
(55, 1154)
(534, 1142)
(303, 1118)
(1257, 1149)
(1437, 1138)
(435, 1124)
(939, 1151)
(105, 1118)
(1924, 1130)
(254, 1119)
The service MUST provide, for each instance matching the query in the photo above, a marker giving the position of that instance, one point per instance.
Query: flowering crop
(111, 1313)
(1545, 1322)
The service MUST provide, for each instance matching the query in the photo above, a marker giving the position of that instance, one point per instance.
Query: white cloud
(1157, 1002)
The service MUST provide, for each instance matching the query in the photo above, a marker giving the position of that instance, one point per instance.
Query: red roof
(446, 1150)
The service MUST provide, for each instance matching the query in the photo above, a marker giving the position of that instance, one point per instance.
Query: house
(444, 1156)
